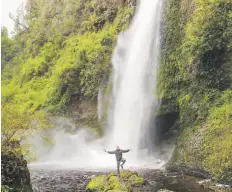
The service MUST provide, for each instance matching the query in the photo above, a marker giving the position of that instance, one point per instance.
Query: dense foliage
(195, 77)
(62, 48)
(64, 51)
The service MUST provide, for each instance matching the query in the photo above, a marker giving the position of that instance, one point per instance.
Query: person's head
(117, 147)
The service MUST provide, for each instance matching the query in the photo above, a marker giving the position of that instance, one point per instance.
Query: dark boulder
(14, 171)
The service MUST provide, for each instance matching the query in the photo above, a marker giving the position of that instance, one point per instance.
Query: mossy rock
(111, 182)
(15, 174)
(214, 187)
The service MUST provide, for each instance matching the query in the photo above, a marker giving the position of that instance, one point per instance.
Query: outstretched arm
(110, 152)
(125, 151)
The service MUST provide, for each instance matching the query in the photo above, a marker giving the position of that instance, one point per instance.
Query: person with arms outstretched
(118, 154)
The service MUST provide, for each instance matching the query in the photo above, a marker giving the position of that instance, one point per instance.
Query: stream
(69, 180)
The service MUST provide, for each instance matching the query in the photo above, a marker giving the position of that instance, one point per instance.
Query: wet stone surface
(60, 180)
(77, 180)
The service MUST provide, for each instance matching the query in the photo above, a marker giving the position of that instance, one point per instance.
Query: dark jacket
(118, 153)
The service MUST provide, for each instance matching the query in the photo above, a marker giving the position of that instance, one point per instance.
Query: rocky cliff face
(195, 80)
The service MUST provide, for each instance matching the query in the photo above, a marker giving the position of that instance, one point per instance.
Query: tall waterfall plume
(135, 65)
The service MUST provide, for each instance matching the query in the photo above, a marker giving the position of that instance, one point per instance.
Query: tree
(7, 47)
(18, 123)
(20, 19)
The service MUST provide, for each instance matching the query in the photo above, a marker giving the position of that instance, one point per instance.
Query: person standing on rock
(118, 154)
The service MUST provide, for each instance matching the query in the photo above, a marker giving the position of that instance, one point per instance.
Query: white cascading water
(135, 65)
(99, 103)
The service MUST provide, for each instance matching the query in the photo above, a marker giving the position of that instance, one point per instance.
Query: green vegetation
(5, 188)
(217, 141)
(60, 50)
(64, 52)
(195, 77)
(17, 123)
(14, 171)
(111, 182)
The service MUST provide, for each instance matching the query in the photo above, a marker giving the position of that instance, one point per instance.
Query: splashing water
(135, 65)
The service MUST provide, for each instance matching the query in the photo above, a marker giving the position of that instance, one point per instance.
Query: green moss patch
(112, 183)
(195, 79)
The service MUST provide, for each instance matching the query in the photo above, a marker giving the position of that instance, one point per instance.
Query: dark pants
(118, 164)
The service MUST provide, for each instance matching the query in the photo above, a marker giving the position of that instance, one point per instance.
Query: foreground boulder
(15, 175)
(215, 187)
(129, 181)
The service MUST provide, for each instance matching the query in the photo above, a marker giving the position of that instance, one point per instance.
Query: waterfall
(135, 65)
(134, 79)
(99, 103)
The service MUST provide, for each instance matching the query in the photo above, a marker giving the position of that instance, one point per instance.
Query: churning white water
(135, 65)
